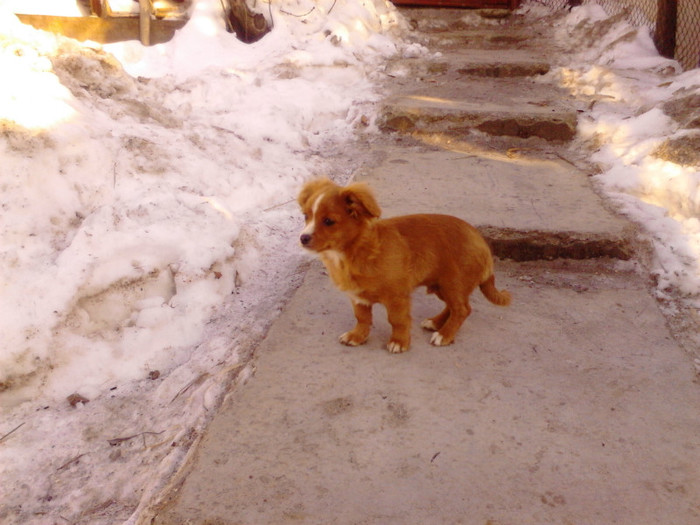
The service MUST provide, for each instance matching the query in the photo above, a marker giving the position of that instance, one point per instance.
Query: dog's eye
(328, 222)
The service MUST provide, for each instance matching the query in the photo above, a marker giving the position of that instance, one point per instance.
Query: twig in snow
(69, 463)
(11, 432)
(118, 441)
(278, 205)
(195, 382)
(226, 130)
(229, 27)
(298, 16)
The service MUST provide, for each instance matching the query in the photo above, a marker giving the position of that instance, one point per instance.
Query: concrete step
(497, 63)
(441, 19)
(474, 62)
(459, 29)
(505, 39)
(454, 91)
(478, 90)
(428, 113)
(528, 207)
(536, 245)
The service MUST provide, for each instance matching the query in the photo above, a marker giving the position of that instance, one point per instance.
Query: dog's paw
(428, 324)
(437, 339)
(395, 347)
(351, 339)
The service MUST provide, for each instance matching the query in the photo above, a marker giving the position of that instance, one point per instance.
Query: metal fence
(674, 24)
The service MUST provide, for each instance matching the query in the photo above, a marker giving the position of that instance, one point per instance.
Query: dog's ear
(360, 201)
(311, 188)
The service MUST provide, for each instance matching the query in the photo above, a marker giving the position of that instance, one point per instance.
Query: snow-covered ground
(148, 226)
(630, 90)
(148, 233)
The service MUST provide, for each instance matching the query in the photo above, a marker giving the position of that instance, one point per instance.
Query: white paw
(395, 348)
(428, 324)
(347, 339)
(437, 339)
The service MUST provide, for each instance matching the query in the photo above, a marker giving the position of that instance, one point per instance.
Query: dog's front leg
(359, 334)
(399, 315)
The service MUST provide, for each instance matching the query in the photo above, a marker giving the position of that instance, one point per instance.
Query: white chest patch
(337, 267)
(333, 259)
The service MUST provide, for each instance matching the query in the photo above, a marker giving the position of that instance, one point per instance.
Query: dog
(382, 261)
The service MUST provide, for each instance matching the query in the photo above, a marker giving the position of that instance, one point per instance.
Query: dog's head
(335, 215)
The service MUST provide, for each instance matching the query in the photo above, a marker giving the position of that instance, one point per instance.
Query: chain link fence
(688, 34)
(674, 24)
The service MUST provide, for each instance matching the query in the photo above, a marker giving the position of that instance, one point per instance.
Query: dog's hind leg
(359, 334)
(458, 309)
(435, 323)
(446, 335)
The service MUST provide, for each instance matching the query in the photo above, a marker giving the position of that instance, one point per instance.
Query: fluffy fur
(377, 260)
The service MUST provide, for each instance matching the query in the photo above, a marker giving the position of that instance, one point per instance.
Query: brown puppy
(382, 261)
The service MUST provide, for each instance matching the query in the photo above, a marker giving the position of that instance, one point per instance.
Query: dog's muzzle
(305, 239)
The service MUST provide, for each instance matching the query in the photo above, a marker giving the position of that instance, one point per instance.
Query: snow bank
(629, 87)
(147, 234)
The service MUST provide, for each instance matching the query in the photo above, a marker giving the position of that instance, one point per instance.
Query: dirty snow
(616, 69)
(148, 234)
(148, 220)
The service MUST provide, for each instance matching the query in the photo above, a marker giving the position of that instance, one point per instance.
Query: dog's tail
(499, 297)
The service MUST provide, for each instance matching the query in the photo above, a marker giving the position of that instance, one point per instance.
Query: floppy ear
(360, 201)
(311, 188)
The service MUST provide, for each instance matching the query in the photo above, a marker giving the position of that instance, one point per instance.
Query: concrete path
(575, 405)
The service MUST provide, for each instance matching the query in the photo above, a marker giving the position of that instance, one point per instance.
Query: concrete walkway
(575, 405)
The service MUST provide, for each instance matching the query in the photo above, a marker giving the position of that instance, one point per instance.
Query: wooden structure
(150, 21)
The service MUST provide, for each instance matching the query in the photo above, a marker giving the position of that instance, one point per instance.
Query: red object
(475, 4)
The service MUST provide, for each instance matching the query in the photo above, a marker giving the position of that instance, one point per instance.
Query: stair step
(518, 245)
(474, 62)
(528, 207)
(426, 113)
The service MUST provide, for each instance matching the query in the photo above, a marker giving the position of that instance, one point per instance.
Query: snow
(628, 84)
(148, 228)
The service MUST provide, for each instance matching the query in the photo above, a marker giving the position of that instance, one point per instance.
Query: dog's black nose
(305, 239)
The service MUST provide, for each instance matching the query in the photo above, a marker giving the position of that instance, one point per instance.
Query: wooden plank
(103, 30)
